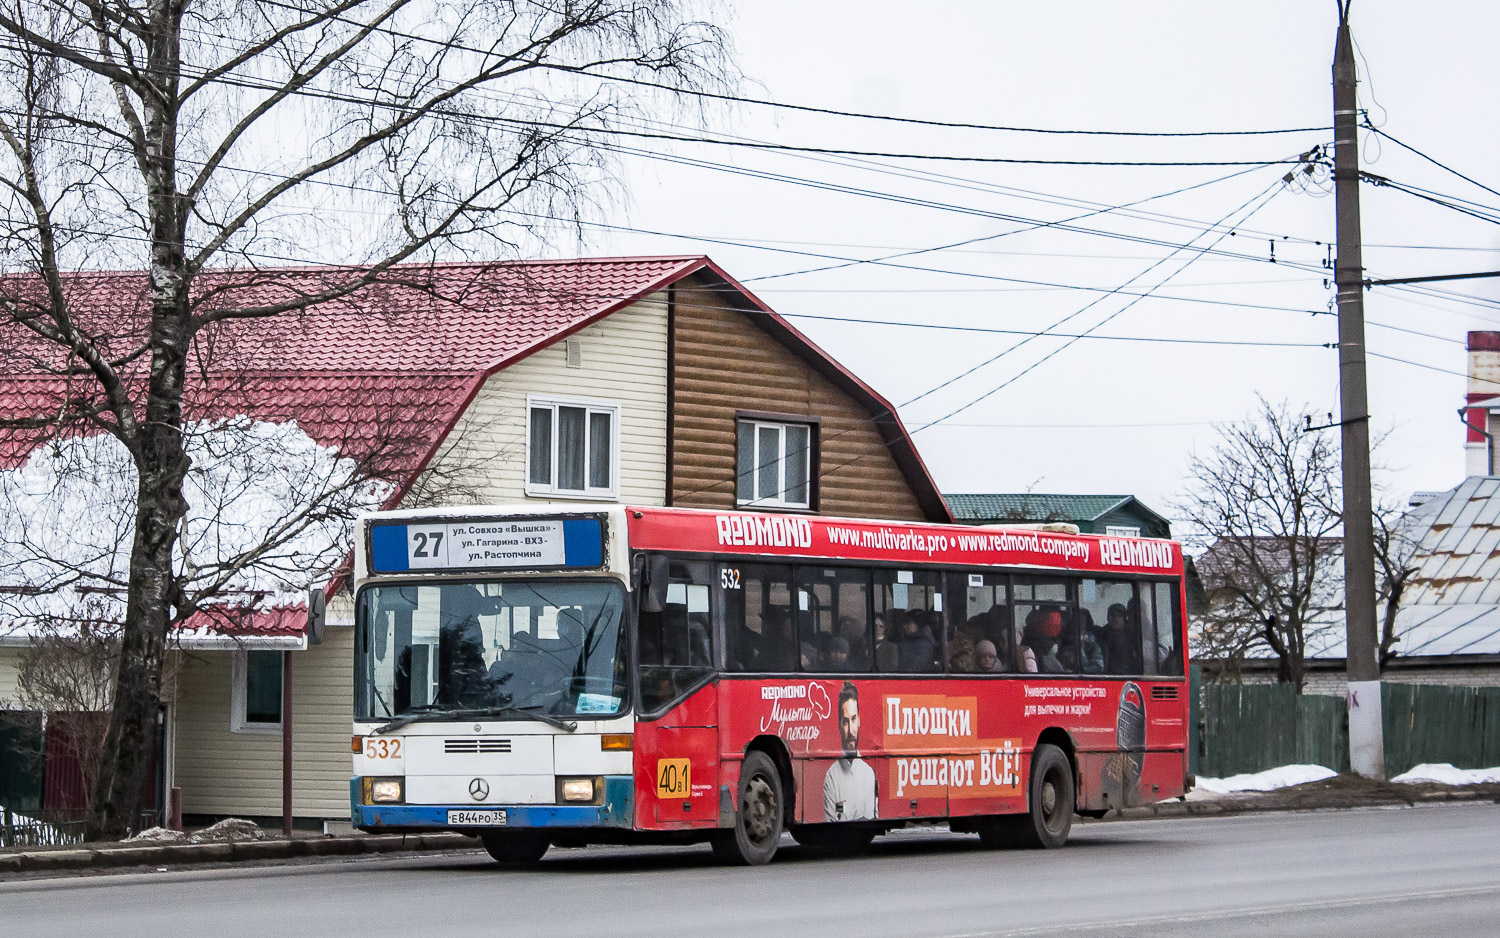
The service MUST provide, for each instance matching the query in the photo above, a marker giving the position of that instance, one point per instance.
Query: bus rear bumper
(615, 811)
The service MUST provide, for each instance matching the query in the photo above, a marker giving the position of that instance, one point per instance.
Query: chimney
(1483, 403)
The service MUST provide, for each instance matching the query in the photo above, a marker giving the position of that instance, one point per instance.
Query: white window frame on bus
(591, 408)
(755, 423)
(239, 696)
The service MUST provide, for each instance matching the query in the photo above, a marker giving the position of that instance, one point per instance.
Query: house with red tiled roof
(650, 380)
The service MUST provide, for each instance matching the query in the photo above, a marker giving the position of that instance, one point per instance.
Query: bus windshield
(544, 646)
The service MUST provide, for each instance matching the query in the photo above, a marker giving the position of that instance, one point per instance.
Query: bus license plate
(477, 818)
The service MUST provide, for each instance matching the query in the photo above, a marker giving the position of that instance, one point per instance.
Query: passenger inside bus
(986, 659)
(853, 631)
(838, 654)
(915, 648)
(778, 646)
(1122, 648)
(1042, 637)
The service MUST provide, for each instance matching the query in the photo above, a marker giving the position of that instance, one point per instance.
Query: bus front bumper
(614, 811)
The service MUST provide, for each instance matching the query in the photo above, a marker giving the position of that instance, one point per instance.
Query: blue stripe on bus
(583, 542)
(388, 548)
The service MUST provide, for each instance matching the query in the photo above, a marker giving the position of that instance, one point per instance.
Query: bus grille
(476, 745)
(1164, 692)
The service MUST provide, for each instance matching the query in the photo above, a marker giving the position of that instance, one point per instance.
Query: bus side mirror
(317, 615)
(654, 587)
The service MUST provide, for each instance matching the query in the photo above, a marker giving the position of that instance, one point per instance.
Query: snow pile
(1445, 774)
(229, 829)
(271, 511)
(30, 832)
(157, 835)
(1284, 776)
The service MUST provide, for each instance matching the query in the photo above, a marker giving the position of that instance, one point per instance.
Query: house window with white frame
(773, 463)
(572, 448)
(255, 698)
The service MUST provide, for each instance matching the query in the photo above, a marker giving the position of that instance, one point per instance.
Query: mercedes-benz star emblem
(479, 789)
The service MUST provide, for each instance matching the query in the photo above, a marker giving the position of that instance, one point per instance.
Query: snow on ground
(1283, 776)
(29, 831)
(1445, 774)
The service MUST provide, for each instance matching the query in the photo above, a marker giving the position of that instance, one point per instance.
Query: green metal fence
(1433, 723)
(1247, 728)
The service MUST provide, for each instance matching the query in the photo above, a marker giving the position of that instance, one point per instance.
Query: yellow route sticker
(673, 778)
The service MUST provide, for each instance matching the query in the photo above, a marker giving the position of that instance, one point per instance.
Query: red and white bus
(542, 677)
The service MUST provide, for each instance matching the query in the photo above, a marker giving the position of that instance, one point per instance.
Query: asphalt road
(1429, 871)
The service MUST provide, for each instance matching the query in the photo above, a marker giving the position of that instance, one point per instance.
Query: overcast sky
(1104, 416)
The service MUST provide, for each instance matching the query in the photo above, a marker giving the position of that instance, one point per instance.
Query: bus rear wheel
(1050, 800)
(514, 848)
(759, 820)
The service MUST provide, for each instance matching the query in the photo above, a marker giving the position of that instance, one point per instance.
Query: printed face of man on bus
(849, 784)
(849, 724)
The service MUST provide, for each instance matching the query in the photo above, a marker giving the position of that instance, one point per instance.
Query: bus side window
(833, 619)
(1143, 617)
(1111, 635)
(1046, 624)
(909, 623)
(675, 648)
(981, 640)
(758, 633)
(1168, 634)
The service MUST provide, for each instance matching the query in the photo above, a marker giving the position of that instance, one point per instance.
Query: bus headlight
(386, 791)
(575, 789)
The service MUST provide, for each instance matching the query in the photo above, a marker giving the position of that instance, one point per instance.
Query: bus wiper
(566, 726)
(442, 714)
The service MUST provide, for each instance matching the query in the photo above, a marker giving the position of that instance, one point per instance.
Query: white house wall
(10, 660)
(624, 361)
(224, 773)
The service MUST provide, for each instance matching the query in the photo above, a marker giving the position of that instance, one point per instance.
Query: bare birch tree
(1267, 496)
(1267, 499)
(206, 142)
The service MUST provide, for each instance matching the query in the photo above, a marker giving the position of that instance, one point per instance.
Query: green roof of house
(1040, 508)
(1033, 507)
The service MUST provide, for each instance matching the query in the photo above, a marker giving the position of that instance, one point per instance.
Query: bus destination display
(486, 544)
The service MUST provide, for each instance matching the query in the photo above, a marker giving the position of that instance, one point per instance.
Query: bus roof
(789, 536)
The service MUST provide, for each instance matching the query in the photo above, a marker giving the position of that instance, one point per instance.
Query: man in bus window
(849, 786)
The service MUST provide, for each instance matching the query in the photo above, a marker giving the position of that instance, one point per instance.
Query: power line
(1003, 234)
(306, 91)
(1431, 160)
(1265, 196)
(1060, 335)
(812, 109)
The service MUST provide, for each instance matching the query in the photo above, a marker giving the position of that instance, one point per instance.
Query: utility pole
(1366, 736)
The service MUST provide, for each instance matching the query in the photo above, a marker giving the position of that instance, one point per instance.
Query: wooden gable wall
(722, 364)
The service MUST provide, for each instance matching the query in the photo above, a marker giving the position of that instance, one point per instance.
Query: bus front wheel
(758, 821)
(1050, 800)
(514, 848)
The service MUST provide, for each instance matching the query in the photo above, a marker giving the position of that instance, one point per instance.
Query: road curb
(128, 855)
(1180, 809)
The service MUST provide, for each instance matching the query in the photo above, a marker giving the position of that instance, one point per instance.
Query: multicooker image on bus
(542, 677)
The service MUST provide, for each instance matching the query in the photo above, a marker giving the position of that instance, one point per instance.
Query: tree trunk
(161, 458)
